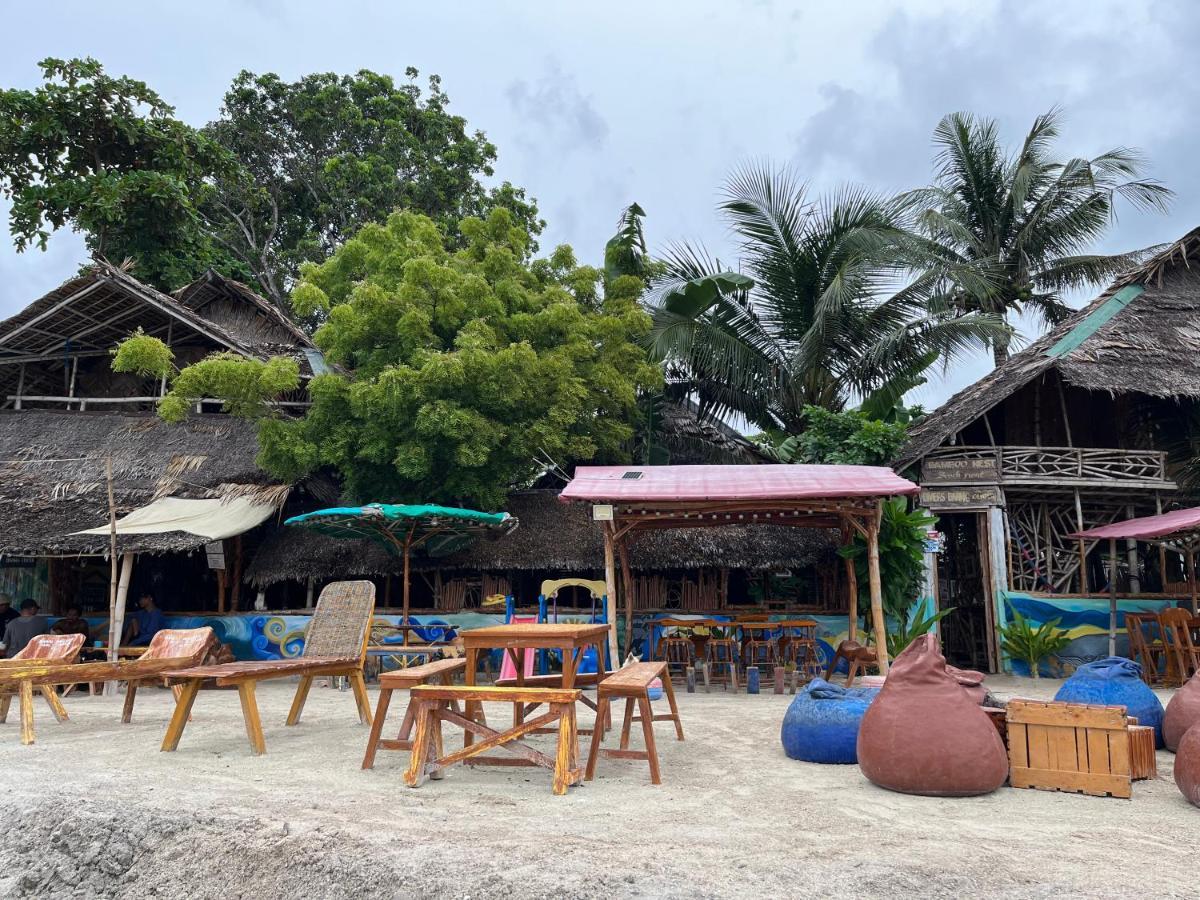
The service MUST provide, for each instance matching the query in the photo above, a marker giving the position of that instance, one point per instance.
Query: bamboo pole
(407, 555)
(1112, 596)
(114, 632)
(627, 590)
(1191, 573)
(1082, 547)
(117, 622)
(876, 587)
(852, 590)
(610, 601)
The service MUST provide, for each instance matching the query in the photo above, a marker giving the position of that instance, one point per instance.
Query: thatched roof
(52, 474)
(552, 536)
(1149, 344)
(692, 438)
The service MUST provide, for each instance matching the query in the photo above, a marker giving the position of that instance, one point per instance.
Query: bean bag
(1115, 681)
(1182, 713)
(924, 734)
(971, 682)
(821, 724)
(1187, 766)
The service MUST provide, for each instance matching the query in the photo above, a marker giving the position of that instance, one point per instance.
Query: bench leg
(670, 692)
(597, 739)
(563, 754)
(420, 745)
(385, 699)
(435, 742)
(258, 745)
(648, 734)
(26, 711)
(127, 709)
(359, 686)
(300, 699)
(179, 719)
(56, 707)
(627, 724)
(5, 701)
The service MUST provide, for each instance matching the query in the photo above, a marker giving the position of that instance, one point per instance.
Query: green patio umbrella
(401, 528)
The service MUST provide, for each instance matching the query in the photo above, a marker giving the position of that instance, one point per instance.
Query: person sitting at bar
(7, 613)
(73, 623)
(146, 622)
(24, 628)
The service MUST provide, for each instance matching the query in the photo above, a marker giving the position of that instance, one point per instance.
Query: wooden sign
(216, 554)
(960, 469)
(968, 497)
(602, 512)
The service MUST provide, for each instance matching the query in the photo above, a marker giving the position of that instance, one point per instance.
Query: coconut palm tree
(1023, 223)
(817, 312)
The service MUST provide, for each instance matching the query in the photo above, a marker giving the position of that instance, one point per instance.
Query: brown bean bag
(924, 734)
(971, 682)
(1182, 713)
(1187, 766)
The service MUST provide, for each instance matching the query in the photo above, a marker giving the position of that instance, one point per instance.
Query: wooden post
(235, 593)
(116, 623)
(1162, 551)
(308, 597)
(114, 630)
(1083, 585)
(610, 586)
(407, 553)
(876, 586)
(626, 589)
(1190, 558)
(1112, 596)
(1135, 581)
(221, 591)
(852, 590)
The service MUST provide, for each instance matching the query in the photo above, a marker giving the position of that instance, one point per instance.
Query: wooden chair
(58, 648)
(335, 645)
(433, 705)
(1144, 647)
(799, 648)
(170, 649)
(722, 655)
(679, 654)
(1182, 654)
(442, 671)
(1078, 748)
(633, 683)
(857, 657)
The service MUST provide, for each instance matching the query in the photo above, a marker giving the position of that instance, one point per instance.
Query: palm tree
(819, 313)
(1023, 222)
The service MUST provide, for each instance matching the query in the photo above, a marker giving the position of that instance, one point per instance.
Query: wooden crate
(1143, 762)
(1073, 747)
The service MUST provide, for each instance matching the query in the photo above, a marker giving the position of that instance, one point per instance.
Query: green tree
(850, 438)
(456, 369)
(322, 156)
(1013, 231)
(822, 314)
(106, 156)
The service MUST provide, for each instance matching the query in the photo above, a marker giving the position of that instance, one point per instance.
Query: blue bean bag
(1115, 681)
(821, 724)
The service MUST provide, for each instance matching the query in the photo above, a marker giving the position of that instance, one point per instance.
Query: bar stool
(759, 648)
(679, 653)
(721, 655)
(800, 648)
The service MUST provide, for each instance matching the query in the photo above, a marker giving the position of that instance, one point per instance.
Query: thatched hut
(1070, 433)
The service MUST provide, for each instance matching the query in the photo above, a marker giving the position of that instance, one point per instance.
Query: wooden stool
(441, 670)
(760, 651)
(722, 657)
(679, 653)
(633, 683)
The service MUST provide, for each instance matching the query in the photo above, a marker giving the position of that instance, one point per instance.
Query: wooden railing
(998, 465)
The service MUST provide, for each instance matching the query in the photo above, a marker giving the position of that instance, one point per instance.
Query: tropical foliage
(456, 369)
(850, 437)
(1020, 640)
(1013, 232)
(901, 558)
(820, 313)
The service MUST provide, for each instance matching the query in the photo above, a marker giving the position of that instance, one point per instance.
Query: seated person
(145, 623)
(24, 628)
(73, 623)
(7, 613)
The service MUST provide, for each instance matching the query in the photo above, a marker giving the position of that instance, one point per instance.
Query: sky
(594, 106)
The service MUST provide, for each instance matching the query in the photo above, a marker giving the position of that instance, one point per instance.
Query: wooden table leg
(420, 745)
(300, 699)
(359, 686)
(381, 708)
(472, 706)
(670, 692)
(130, 695)
(179, 719)
(5, 700)
(562, 756)
(597, 739)
(55, 704)
(258, 744)
(26, 711)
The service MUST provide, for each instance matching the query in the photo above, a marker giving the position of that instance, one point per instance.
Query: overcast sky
(595, 105)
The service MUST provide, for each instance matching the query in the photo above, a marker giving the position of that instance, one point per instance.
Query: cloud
(556, 107)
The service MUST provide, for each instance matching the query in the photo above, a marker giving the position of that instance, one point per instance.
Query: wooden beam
(610, 587)
(876, 587)
(1112, 599)
(627, 590)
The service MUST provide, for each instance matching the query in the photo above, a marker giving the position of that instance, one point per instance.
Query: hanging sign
(935, 542)
(602, 512)
(216, 554)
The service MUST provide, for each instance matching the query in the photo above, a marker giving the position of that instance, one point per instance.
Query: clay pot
(1182, 713)
(925, 734)
(1187, 766)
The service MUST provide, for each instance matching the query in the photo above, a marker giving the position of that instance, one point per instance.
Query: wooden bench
(441, 670)
(1078, 748)
(633, 683)
(582, 679)
(432, 706)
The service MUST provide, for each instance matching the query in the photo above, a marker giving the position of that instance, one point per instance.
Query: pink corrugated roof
(1147, 527)
(665, 484)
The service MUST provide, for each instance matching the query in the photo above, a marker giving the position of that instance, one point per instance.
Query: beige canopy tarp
(213, 520)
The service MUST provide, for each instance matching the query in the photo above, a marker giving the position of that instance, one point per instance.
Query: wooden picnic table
(569, 638)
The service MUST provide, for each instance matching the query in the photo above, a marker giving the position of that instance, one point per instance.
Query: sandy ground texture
(93, 809)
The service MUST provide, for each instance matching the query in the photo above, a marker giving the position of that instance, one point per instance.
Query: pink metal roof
(666, 484)
(1147, 527)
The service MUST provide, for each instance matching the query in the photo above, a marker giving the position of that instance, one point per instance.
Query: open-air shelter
(632, 500)
(1178, 530)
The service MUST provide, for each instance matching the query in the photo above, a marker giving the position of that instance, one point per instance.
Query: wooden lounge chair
(46, 648)
(169, 649)
(1182, 654)
(336, 644)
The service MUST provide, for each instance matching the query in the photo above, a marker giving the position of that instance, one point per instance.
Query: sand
(93, 809)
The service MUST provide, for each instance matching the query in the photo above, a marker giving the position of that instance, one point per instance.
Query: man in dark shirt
(146, 622)
(24, 628)
(73, 623)
(7, 613)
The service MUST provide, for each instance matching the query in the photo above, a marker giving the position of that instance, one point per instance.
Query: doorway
(963, 585)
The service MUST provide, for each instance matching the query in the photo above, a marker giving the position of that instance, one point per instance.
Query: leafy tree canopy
(106, 156)
(851, 438)
(457, 368)
(322, 156)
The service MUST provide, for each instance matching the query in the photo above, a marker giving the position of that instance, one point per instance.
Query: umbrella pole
(1112, 596)
(407, 553)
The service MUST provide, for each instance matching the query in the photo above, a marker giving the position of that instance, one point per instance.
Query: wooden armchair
(46, 648)
(1183, 657)
(1145, 647)
(336, 644)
